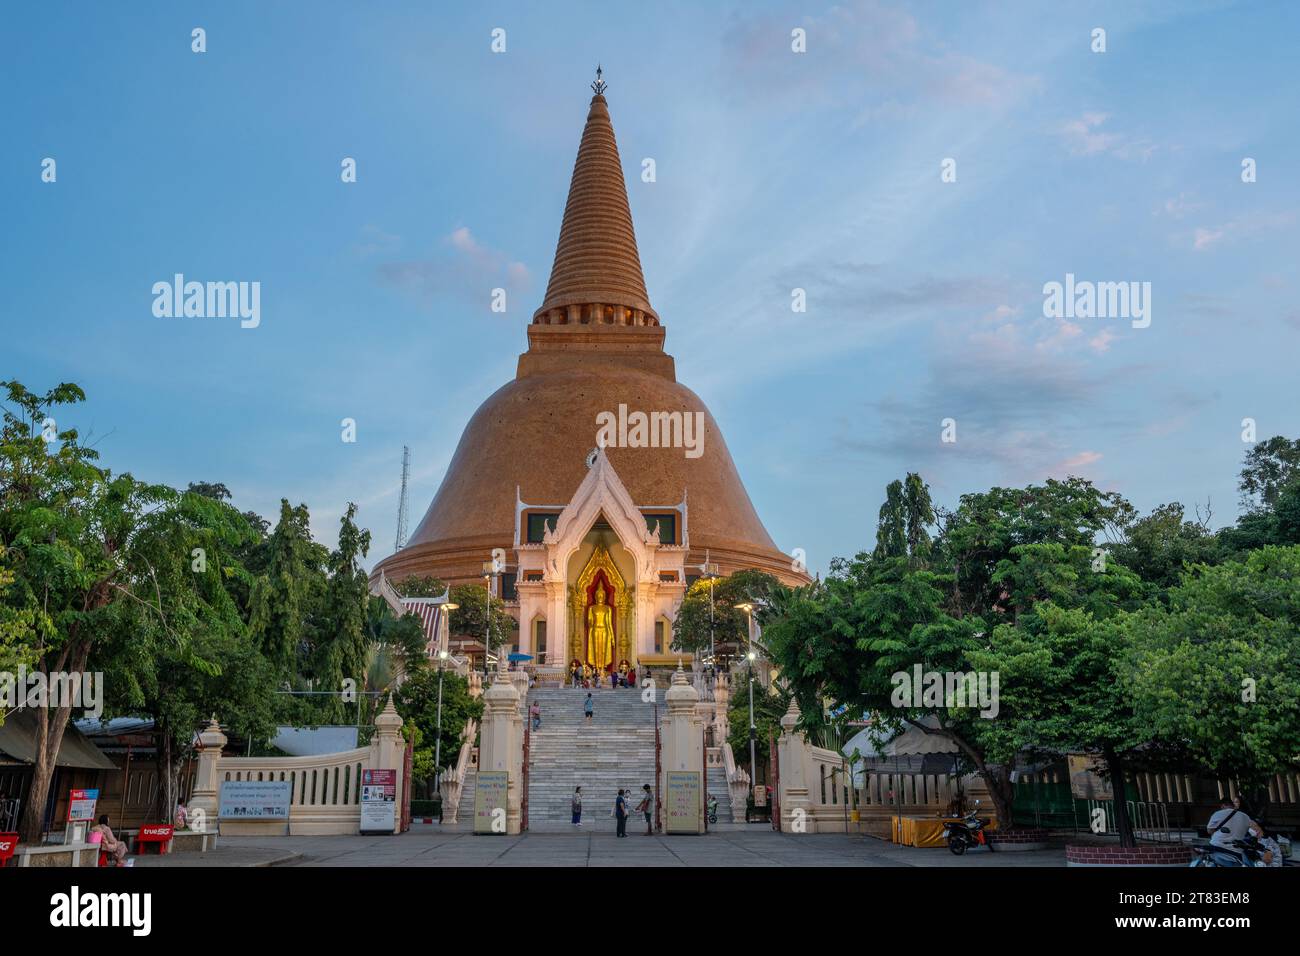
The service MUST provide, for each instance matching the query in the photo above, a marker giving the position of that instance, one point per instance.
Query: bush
(426, 808)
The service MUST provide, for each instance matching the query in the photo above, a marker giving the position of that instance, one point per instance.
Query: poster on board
(682, 802)
(490, 801)
(378, 801)
(81, 805)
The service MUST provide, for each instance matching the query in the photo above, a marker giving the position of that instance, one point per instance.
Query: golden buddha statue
(600, 632)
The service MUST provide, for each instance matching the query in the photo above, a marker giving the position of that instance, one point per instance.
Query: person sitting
(108, 843)
(1228, 823)
(1271, 849)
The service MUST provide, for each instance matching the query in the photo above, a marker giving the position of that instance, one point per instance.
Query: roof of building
(18, 740)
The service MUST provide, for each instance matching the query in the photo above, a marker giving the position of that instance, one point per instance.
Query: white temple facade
(600, 541)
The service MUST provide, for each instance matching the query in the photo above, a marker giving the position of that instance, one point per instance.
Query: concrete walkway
(426, 845)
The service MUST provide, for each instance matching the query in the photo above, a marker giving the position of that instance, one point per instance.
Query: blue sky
(775, 170)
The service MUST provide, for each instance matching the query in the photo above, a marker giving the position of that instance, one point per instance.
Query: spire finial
(600, 85)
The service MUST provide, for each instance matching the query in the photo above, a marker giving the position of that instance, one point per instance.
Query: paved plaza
(427, 845)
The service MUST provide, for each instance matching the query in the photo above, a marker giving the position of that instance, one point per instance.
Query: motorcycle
(966, 833)
(1247, 851)
(713, 809)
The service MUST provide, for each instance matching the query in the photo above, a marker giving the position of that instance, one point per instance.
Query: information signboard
(378, 801)
(81, 805)
(490, 801)
(682, 802)
(255, 799)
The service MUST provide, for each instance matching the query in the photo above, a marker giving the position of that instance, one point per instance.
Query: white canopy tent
(913, 741)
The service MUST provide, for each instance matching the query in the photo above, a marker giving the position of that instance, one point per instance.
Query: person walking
(620, 815)
(576, 806)
(587, 707)
(646, 807)
(535, 712)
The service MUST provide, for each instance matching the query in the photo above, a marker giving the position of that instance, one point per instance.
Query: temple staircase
(616, 750)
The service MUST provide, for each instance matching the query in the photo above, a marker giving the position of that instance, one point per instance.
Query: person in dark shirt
(620, 814)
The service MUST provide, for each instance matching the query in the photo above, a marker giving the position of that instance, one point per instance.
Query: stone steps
(615, 750)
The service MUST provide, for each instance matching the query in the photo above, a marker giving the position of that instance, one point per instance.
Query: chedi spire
(596, 278)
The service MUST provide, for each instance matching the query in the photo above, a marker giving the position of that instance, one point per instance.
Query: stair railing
(659, 826)
(738, 781)
(453, 781)
(523, 796)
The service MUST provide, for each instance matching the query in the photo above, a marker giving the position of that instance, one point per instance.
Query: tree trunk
(165, 795)
(1123, 825)
(1001, 790)
(49, 738)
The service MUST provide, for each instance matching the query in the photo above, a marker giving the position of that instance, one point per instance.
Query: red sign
(8, 843)
(81, 805)
(161, 831)
(378, 785)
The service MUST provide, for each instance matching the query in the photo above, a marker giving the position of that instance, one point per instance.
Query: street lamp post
(488, 568)
(750, 656)
(712, 571)
(442, 659)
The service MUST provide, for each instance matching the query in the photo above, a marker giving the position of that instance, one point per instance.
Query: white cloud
(1084, 136)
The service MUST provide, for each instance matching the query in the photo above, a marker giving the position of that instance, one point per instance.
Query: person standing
(535, 712)
(646, 807)
(587, 707)
(576, 806)
(620, 815)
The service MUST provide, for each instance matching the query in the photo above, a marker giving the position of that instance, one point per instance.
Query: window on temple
(667, 526)
(508, 590)
(538, 523)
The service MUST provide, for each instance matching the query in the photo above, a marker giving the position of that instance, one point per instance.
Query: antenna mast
(401, 505)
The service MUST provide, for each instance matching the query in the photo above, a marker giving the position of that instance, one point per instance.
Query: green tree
(1271, 465)
(417, 701)
(769, 707)
(1218, 670)
(905, 518)
(986, 526)
(845, 641)
(417, 586)
(1162, 545)
(342, 639)
(728, 626)
(17, 626)
(104, 557)
(288, 593)
(471, 617)
(1060, 691)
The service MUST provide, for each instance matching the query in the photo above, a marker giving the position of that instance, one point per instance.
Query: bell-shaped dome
(594, 345)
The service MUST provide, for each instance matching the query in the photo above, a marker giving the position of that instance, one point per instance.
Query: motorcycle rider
(1228, 823)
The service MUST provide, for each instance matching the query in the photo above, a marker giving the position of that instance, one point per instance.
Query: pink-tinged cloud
(1204, 238)
(1101, 341)
(1082, 460)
